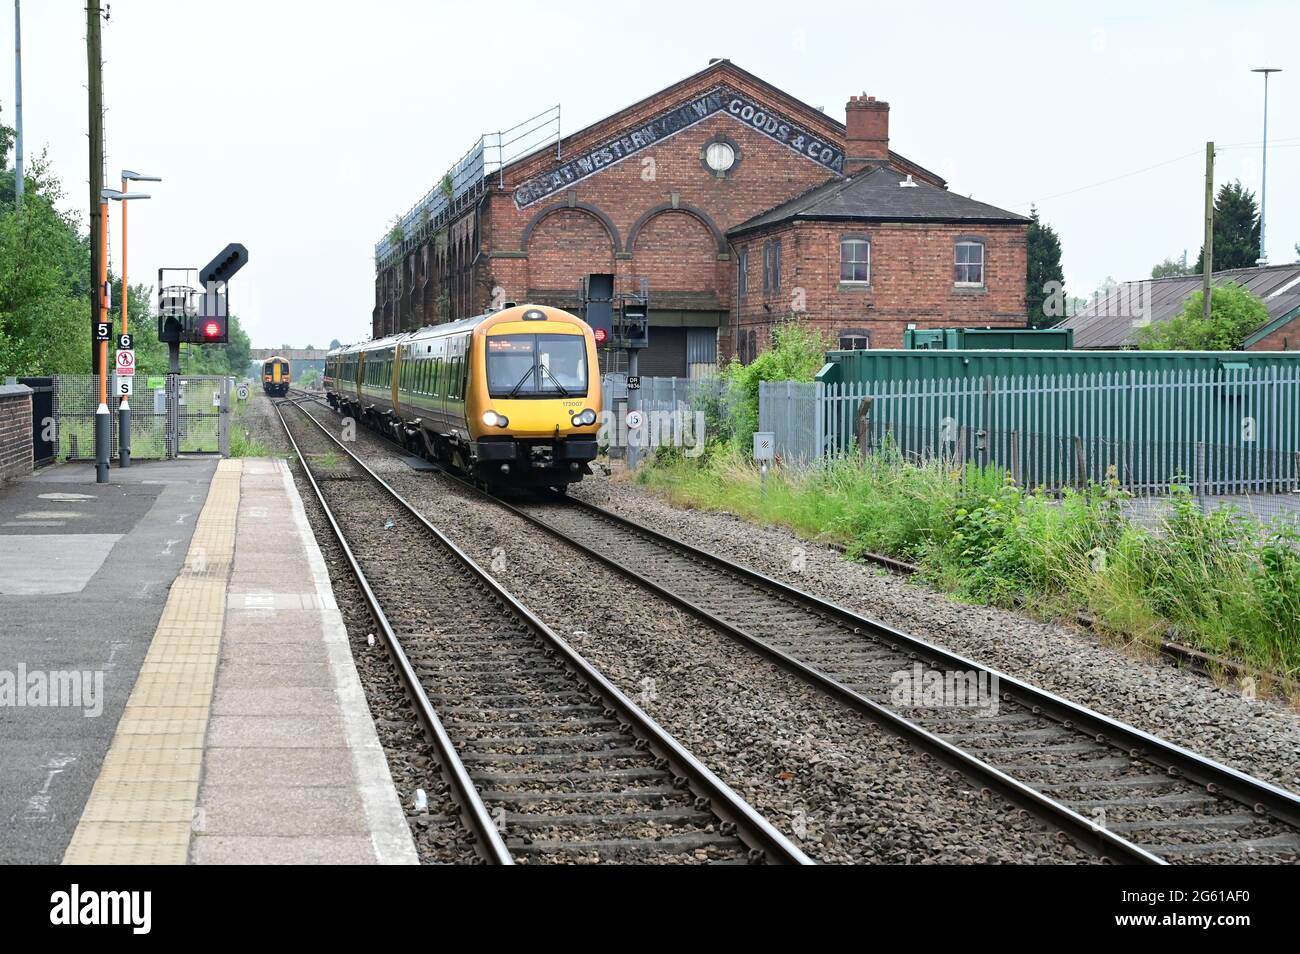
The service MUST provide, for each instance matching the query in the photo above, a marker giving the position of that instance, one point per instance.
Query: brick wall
(682, 199)
(661, 215)
(1286, 338)
(621, 220)
(911, 280)
(16, 458)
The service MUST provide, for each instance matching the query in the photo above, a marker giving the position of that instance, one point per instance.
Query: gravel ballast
(842, 788)
(1257, 736)
(438, 839)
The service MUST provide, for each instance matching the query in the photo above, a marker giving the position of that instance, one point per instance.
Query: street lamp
(1263, 179)
(103, 422)
(124, 409)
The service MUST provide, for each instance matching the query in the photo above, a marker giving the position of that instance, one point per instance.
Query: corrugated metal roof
(1113, 319)
(876, 195)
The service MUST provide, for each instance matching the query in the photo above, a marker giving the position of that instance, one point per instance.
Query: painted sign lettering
(741, 108)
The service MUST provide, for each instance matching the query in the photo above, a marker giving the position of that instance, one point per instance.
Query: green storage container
(1013, 339)
(844, 367)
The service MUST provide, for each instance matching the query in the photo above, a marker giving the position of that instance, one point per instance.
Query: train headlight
(493, 419)
(584, 418)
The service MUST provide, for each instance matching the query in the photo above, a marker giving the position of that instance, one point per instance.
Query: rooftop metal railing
(466, 179)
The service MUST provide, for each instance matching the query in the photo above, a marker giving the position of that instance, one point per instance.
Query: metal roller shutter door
(666, 356)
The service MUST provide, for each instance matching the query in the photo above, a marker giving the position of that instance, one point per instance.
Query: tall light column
(1263, 176)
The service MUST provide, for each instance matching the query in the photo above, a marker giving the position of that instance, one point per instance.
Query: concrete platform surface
(293, 770)
(85, 570)
(246, 737)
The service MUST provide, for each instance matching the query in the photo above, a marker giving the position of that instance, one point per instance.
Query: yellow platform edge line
(142, 806)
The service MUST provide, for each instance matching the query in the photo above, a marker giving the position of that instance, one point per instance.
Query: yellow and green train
(275, 376)
(510, 397)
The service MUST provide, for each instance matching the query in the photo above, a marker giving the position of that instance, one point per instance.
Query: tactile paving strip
(142, 806)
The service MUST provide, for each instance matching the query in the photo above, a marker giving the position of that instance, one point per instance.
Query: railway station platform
(175, 679)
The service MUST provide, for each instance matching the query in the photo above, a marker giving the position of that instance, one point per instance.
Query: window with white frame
(855, 260)
(742, 272)
(968, 264)
(854, 340)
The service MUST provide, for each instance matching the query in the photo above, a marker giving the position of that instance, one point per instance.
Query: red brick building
(683, 191)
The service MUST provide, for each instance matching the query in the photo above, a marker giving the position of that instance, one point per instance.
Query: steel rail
(751, 827)
(1246, 789)
(1084, 831)
(1206, 664)
(487, 839)
(1199, 661)
(1261, 797)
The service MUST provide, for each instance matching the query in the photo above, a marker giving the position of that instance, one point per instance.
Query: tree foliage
(1172, 268)
(1236, 229)
(797, 353)
(45, 290)
(44, 277)
(1043, 250)
(1234, 314)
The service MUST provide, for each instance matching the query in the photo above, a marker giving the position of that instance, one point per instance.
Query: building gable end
(742, 108)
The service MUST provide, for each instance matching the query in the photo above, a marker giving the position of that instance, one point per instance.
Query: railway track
(1126, 794)
(545, 760)
(1129, 794)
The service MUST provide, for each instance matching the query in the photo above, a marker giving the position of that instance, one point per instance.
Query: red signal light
(211, 329)
(600, 335)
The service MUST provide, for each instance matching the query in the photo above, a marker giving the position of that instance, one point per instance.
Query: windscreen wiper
(520, 383)
(558, 386)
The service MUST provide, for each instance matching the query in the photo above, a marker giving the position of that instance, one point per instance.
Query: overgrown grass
(242, 441)
(1220, 581)
(244, 444)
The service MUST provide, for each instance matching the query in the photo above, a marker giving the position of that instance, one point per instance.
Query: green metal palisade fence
(1222, 427)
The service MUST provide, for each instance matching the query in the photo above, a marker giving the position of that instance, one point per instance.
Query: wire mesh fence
(160, 428)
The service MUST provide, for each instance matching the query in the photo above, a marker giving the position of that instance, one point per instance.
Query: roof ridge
(833, 179)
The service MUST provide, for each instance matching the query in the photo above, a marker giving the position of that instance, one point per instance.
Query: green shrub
(1221, 581)
(797, 353)
(1234, 313)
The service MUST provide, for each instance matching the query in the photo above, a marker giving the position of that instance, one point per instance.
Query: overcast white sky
(302, 128)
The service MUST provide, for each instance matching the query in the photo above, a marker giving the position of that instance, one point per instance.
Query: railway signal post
(633, 334)
(187, 314)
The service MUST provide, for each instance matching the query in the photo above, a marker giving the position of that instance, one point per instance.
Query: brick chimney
(867, 141)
